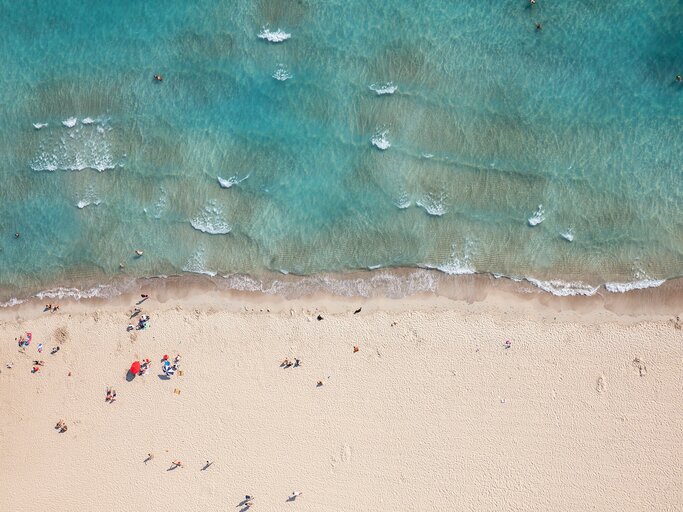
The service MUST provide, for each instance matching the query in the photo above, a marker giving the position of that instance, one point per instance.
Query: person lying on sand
(111, 395)
(39, 363)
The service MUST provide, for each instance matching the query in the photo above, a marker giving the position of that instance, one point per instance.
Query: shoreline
(399, 283)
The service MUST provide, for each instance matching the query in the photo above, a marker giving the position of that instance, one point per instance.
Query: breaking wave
(277, 36)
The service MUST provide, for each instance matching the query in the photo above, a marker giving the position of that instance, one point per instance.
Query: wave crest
(211, 220)
(277, 36)
(383, 89)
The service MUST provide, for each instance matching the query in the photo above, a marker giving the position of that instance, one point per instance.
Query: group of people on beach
(52, 308)
(143, 321)
(248, 500)
(286, 363)
(24, 341)
(168, 368)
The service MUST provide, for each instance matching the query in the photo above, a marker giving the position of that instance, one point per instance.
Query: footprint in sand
(346, 453)
(640, 366)
(344, 456)
(600, 386)
(61, 335)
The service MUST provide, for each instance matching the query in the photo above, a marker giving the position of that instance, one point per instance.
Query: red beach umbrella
(135, 368)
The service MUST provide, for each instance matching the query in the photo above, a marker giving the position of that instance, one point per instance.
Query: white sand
(432, 413)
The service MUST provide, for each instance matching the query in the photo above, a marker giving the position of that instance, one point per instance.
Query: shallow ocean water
(482, 119)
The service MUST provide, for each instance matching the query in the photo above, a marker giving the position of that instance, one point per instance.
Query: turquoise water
(489, 119)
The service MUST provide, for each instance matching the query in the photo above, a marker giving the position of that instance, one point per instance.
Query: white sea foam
(233, 180)
(537, 217)
(563, 288)
(84, 202)
(568, 234)
(381, 283)
(89, 197)
(382, 89)
(281, 73)
(403, 201)
(11, 303)
(83, 147)
(434, 204)
(459, 262)
(101, 291)
(70, 123)
(210, 220)
(277, 36)
(634, 285)
(197, 264)
(427, 155)
(38, 126)
(380, 141)
(88, 120)
(641, 280)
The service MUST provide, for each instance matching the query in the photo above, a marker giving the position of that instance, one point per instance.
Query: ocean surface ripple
(318, 137)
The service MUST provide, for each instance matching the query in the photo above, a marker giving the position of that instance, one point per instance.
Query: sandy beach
(581, 410)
